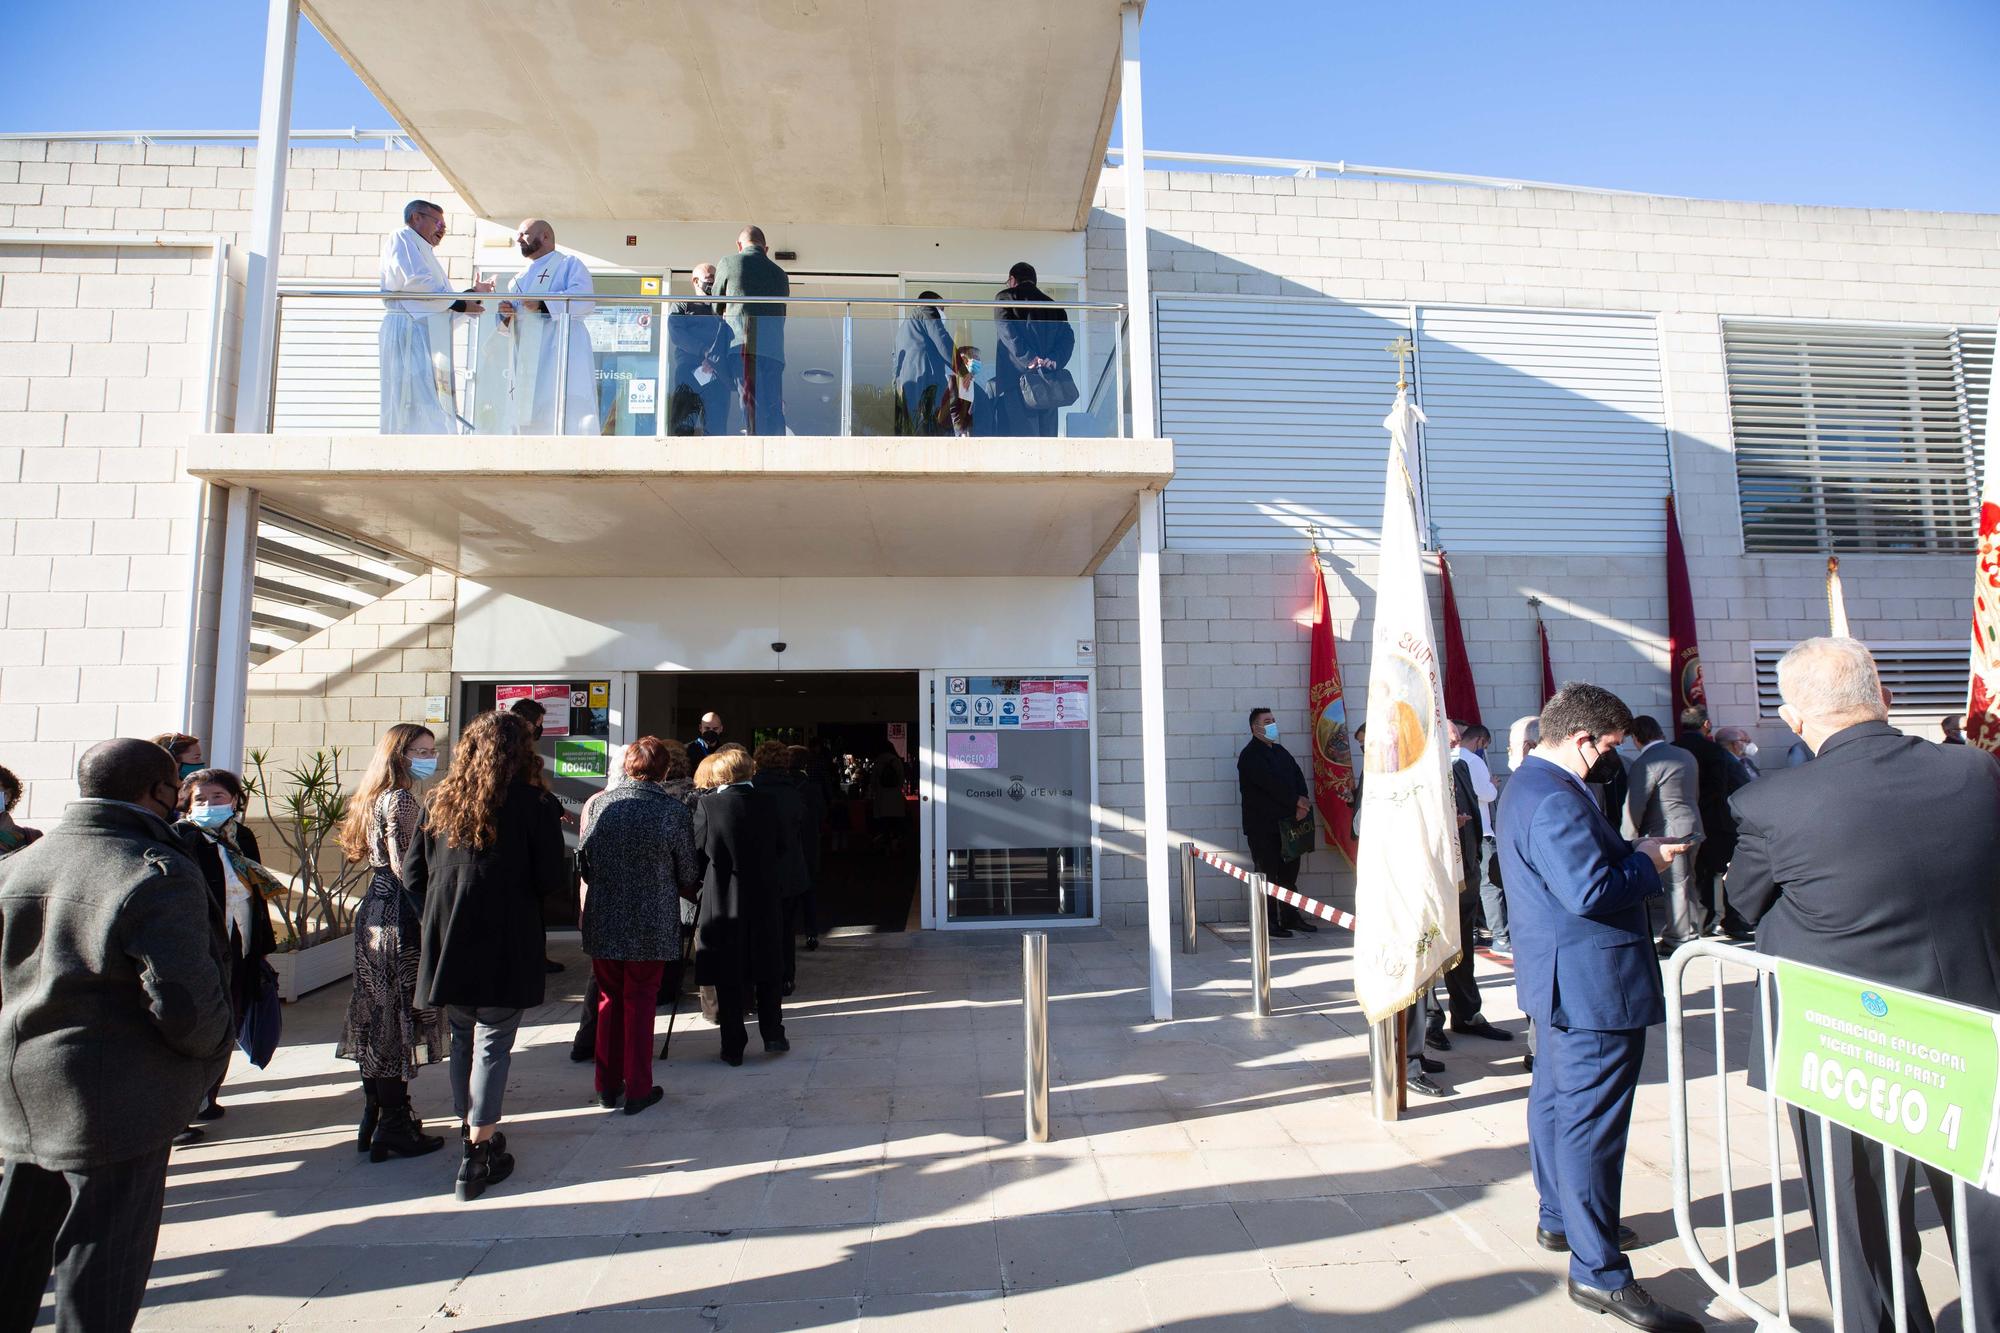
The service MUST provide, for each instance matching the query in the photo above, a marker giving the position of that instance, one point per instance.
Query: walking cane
(674, 1009)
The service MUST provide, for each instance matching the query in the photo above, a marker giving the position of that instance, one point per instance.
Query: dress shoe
(1557, 1243)
(1423, 1087)
(812, 943)
(1304, 923)
(733, 1061)
(777, 1046)
(1436, 1040)
(1429, 1065)
(1479, 1027)
(1279, 933)
(189, 1135)
(1631, 1304)
(212, 1111)
(581, 1054)
(634, 1105)
(1529, 1061)
(607, 1100)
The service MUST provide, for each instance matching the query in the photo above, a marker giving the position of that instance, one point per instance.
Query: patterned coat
(638, 857)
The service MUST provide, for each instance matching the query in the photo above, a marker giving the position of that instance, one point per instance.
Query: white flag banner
(1407, 875)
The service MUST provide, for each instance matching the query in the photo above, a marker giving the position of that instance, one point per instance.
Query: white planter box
(303, 971)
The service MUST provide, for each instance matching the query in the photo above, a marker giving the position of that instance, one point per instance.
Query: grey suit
(1660, 803)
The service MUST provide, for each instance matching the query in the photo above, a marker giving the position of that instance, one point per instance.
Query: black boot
(499, 1140)
(399, 1133)
(370, 1114)
(481, 1165)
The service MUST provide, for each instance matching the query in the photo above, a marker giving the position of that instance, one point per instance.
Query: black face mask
(1606, 767)
(711, 736)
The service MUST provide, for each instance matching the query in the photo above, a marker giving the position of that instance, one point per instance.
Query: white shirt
(1483, 790)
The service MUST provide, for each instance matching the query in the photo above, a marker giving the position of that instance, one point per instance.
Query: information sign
(583, 758)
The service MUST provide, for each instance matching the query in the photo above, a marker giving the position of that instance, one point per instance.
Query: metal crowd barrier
(1035, 1034)
(1728, 1284)
(1260, 927)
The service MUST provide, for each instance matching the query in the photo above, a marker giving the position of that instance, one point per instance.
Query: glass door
(1013, 763)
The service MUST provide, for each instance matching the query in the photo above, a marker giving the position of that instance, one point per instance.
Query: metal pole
(662, 399)
(1188, 939)
(847, 370)
(1722, 1125)
(1035, 1046)
(1260, 950)
(1894, 1202)
(1384, 1086)
(562, 368)
(1830, 1211)
(255, 371)
(1767, 1018)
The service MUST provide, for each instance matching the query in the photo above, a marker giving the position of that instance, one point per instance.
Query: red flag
(1333, 762)
(1683, 654)
(1982, 714)
(1461, 695)
(1548, 671)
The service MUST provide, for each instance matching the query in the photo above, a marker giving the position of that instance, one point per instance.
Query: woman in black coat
(740, 838)
(212, 827)
(1032, 335)
(775, 776)
(490, 850)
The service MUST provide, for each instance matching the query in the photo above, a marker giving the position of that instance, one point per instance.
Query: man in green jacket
(756, 331)
(114, 1024)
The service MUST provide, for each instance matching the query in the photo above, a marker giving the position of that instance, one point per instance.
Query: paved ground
(1214, 1171)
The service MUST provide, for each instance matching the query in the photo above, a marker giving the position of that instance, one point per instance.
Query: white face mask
(1750, 750)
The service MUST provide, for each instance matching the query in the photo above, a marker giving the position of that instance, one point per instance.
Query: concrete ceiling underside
(520, 508)
(921, 113)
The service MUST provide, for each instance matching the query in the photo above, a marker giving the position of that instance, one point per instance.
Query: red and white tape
(1345, 920)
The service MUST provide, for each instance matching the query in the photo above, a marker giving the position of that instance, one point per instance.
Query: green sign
(583, 758)
(1919, 1074)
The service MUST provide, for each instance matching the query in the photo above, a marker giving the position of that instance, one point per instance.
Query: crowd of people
(135, 934)
(726, 344)
(1608, 846)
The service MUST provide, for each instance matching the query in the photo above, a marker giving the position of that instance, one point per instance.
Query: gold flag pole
(1836, 600)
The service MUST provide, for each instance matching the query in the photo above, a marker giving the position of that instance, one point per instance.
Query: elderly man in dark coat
(923, 363)
(741, 838)
(114, 1024)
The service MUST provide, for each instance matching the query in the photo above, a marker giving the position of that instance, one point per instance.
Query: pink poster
(972, 749)
(554, 700)
(506, 696)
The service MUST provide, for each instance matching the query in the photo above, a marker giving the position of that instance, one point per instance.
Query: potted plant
(315, 909)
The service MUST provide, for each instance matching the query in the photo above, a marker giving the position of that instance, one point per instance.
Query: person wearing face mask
(1274, 794)
(709, 741)
(519, 359)
(13, 836)
(186, 750)
(117, 1024)
(700, 342)
(923, 362)
(968, 401)
(1584, 971)
(211, 824)
(1742, 752)
(386, 1034)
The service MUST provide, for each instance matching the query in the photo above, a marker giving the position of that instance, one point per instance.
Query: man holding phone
(1585, 973)
(1661, 800)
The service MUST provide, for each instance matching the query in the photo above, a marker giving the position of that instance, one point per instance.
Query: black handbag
(1044, 390)
(1296, 837)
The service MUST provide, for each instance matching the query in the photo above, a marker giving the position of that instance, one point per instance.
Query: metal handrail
(349, 293)
(356, 135)
(1310, 169)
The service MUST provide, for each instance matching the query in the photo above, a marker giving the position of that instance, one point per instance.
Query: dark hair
(527, 708)
(647, 759)
(495, 751)
(1581, 706)
(10, 787)
(1020, 273)
(1256, 713)
(929, 296)
(773, 757)
(1692, 717)
(1476, 732)
(221, 777)
(175, 743)
(1646, 730)
(124, 769)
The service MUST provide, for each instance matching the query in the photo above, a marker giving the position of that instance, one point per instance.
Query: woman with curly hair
(386, 1034)
(490, 850)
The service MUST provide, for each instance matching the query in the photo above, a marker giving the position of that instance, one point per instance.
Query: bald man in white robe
(415, 342)
(523, 347)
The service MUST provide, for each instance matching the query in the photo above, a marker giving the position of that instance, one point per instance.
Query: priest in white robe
(415, 342)
(521, 358)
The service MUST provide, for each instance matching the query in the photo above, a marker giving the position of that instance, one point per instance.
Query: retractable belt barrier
(1260, 926)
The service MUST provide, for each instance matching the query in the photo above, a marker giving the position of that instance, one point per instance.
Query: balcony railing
(367, 362)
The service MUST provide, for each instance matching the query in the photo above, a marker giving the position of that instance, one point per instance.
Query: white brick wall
(1690, 261)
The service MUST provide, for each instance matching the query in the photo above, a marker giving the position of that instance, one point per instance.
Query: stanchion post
(1260, 950)
(1384, 1087)
(1035, 1047)
(1189, 942)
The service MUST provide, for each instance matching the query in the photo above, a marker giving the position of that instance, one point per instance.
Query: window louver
(1925, 680)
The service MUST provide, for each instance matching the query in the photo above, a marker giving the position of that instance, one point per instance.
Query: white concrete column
(224, 742)
(1152, 536)
(267, 218)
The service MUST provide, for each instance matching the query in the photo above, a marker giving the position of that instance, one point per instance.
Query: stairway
(308, 577)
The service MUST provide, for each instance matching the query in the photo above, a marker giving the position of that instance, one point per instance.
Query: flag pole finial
(1403, 349)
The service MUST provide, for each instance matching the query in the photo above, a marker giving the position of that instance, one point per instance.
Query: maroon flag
(1333, 761)
(1461, 695)
(1683, 654)
(1548, 671)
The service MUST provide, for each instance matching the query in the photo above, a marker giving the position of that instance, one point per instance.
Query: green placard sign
(583, 758)
(1919, 1074)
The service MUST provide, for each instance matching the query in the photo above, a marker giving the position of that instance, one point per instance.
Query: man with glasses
(1585, 973)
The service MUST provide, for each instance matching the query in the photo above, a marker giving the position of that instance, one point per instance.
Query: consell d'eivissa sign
(1919, 1074)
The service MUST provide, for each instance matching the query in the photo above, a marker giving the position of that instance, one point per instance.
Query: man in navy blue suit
(1585, 972)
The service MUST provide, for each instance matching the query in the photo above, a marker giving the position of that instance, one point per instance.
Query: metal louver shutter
(1925, 680)
(1546, 430)
(1275, 409)
(1856, 437)
(328, 379)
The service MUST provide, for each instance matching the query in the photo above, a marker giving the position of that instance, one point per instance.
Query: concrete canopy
(717, 507)
(940, 113)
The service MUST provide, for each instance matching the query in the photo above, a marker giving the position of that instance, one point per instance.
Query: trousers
(627, 994)
(1579, 1114)
(482, 1050)
(731, 1001)
(1492, 899)
(1860, 1227)
(1460, 985)
(94, 1230)
(1688, 914)
(760, 389)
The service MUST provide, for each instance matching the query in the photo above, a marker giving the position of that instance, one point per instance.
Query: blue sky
(1886, 103)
